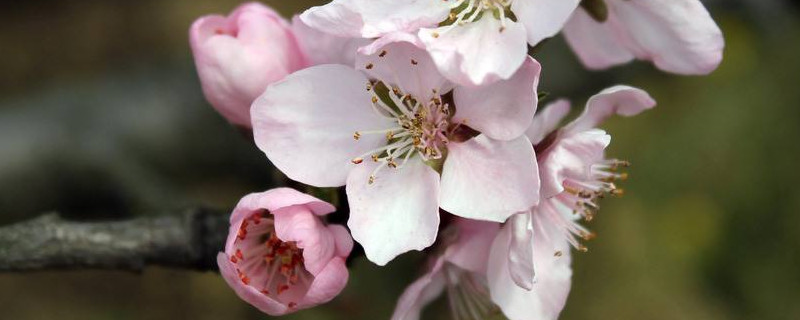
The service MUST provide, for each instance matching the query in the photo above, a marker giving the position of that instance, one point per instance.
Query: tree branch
(189, 240)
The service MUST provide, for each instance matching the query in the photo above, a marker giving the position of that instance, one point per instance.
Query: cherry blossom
(280, 257)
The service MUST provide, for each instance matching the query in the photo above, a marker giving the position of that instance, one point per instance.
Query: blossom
(405, 143)
(472, 42)
(678, 36)
(279, 256)
(238, 56)
(548, 293)
(574, 173)
(460, 271)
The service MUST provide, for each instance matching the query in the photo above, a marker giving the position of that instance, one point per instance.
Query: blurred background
(101, 116)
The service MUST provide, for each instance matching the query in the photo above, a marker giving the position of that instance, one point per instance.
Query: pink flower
(405, 143)
(238, 56)
(574, 172)
(460, 270)
(280, 257)
(548, 292)
(472, 42)
(678, 36)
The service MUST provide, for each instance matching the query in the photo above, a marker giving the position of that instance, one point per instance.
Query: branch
(189, 240)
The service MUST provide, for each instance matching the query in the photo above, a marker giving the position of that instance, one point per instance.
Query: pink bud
(238, 56)
(280, 257)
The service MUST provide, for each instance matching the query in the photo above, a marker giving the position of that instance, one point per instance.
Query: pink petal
(543, 18)
(677, 35)
(547, 120)
(374, 18)
(323, 48)
(622, 100)
(398, 59)
(328, 283)
(420, 293)
(520, 255)
(274, 200)
(472, 247)
(246, 292)
(304, 228)
(596, 44)
(550, 289)
(477, 53)
(344, 242)
(504, 109)
(571, 156)
(305, 124)
(399, 212)
(488, 179)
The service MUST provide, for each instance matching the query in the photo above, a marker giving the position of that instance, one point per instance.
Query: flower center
(422, 127)
(580, 199)
(466, 11)
(274, 267)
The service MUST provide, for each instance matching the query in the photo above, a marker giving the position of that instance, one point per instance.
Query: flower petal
(543, 18)
(305, 124)
(398, 59)
(327, 284)
(550, 289)
(488, 179)
(520, 255)
(245, 292)
(399, 212)
(472, 246)
(571, 156)
(504, 109)
(344, 242)
(374, 18)
(300, 226)
(477, 53)
(547, 120)
(677, 35)
(324, 48)
(596, 44)
(420, 293)
(622, 100)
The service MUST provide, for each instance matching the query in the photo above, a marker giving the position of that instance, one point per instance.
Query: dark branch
(190, 240)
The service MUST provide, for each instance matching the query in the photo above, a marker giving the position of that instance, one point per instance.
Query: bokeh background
(101, 116)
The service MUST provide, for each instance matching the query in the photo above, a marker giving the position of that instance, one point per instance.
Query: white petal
(486, 179)
(399, 59)
(479, 52)
(596, 44)
(543, 18)
(622, 100)
(547, 120)
(520, 255)
(504, 109)
(551, 286)
(305, 124)
(374, 18)
(399, 212)
(324, 48)
(420, 293)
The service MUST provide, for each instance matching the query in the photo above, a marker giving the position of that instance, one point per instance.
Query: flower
(460, 271)
(574, 173)
(548, 293)
(678, 36)
(238, 56)
(279, 256)
(472, 42)
(405, 143)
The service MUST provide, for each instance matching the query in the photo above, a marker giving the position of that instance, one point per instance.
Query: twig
(189, 240)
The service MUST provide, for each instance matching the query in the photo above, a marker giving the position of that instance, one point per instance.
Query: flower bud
(280, 257)
(238, 56)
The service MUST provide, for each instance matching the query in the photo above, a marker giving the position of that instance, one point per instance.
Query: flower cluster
(425, 111)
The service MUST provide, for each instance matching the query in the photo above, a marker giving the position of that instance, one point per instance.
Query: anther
(357, 160)
(357, 135)
(558, 254)
(371, 179)
(435, 35)
(414, 62)
(382, 54)
(370, 66)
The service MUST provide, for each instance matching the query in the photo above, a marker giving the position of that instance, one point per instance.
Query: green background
(101, 116)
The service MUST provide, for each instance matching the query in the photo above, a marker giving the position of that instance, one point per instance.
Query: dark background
(101, 116)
